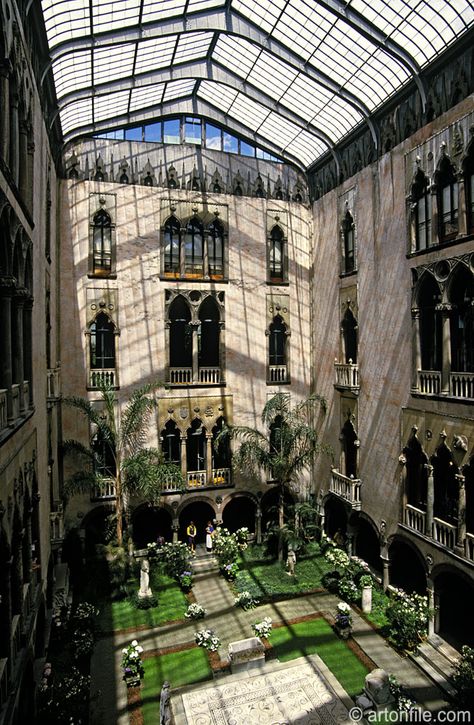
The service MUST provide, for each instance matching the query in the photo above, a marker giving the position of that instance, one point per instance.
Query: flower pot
(132, 680)
(343, 632)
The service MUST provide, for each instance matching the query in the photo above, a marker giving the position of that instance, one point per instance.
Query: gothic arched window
(215, 248)
(171, 443)
(181, 350)
(196, 447)
(448, 202)
(101, 243)
(172, 246)
(430, 325)
(277, 254)
(194, 247)
(462, 321)
(277, 342)
(208, 340)
(421, 210)
(102, 343)
(468, 168)
(348, 237)
(349, 334)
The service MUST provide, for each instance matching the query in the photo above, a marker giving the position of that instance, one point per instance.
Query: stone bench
(246, 654)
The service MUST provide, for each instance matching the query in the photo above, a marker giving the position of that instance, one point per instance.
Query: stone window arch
(277, 254)
(349, 448)
(180, 337)
(196, 447)
(216, 248)
(420, 205)
(446, 490)
(102, 333)
(171, 443)
(416, 482)
(348, 241)
(447, 195)
(429, 297)
(209, 334)
(468, 171)
(461, 295)
(102, 243)
(277, 342)
(349, 329)
(194, 247)
(172, 246)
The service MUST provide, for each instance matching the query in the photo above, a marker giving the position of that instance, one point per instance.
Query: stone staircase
(436, 658)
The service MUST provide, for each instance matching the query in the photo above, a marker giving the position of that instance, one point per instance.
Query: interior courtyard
(222, 222)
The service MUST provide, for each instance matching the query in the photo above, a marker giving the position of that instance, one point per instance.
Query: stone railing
(56, 519)
(196, 479)
(347, 375)
(180, 376)
(15, 401)
(444, 533)
(210, 376)
(3, 409)
(53, 383)
(470, 547)
(25, 391)
(220, 477)
(107, 491)
(461, 385)
(415, 518)
(346, 488)
(429, 382)
(277, 374)
(105, 376)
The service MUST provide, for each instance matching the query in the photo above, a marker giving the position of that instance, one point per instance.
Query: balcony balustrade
(461, 385)
(347, 375)
(415, 518)
(429, 382)
(346, 488)
(15, 401)
(199, 479)
(277, 374)
(181, 376)
(210, 376)
(444, 533)
(105, 492)
(184, 376)
(470, 547)
(56, 519)
(25, 392)
(106, 376)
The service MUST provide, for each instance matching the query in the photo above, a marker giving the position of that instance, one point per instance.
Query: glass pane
(192, 130)
(247, 149)
(231, 143)
(171, 131)
(213, 137)
(134, 134)
(154, 132)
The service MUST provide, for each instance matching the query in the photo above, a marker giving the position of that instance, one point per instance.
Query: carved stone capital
(445, 307)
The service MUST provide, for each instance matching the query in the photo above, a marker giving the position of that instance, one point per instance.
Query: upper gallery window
(348, 241)
(468, 169)
(194, 250)
(448, 198)
(276, 254)
(101, 243)
(420, 199)
(215, 247)
(172, 246)
(194, 247)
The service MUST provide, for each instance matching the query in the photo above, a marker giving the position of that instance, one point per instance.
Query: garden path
(231, 623)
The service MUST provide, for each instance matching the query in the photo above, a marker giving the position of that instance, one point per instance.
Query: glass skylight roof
(297, 74)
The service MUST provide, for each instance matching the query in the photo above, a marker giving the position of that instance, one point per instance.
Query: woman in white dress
(209, 532)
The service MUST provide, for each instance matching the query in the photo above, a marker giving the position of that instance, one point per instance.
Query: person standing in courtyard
(191, 534)
(209, 535)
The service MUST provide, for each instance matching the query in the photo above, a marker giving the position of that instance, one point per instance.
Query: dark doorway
(200, 512)
(406, 570)
(150, 522)
(455, 598)
(96, 526)
(269, 506)
(367, 545)
(239, 512)
(335, 517)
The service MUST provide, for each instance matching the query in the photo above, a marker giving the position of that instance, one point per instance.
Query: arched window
(416, 473)
(348, 236)
(349, 444)
(208, 340)
(104, 456)
(447, 186)
(181, 349)
(148, 180)
(421, 209)
(430, 325)
(194, 247)
(221, 455)
(101, 243)
(171, 443)
(196, 447)
(276, 254)
(468, 168)
(216, 248)
(349, 334)
(102, 343)
(277, 342)
(446, 490)
(462, 321)
(172, 246)
(99, 175)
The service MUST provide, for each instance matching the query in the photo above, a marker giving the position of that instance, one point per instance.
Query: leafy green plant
(246, 601)
(176, 558)
(366, 580)
(407, 617)
(230, 571)
(463, 679)
(186, 580)
(225, 547)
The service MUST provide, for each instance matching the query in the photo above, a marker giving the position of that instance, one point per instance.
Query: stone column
(461, 527)
(434, 215)
(258, 525)
(431, 606)
(14, 140)
(167, 349)
(444, 309)
(31, 172)
(209, 457)
(386, 572)
(194, 327)
(17, 337)
(27, 349)
(184, 466)
(23, 160)
(5, 69)
(6, 379)
(174, 528)
(429, 500)
(415, 347)
(462, 216)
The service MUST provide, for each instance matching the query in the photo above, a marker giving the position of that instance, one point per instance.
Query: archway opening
(335, 517)
(367, 545)
(406, 570)
(454, 597)
(270, 501)
(200, 512)
(150, 522)
(240, 511)
(96, 526)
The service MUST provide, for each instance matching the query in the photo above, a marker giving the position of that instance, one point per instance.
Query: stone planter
(132, 680)
(343, 632)
(367, 599)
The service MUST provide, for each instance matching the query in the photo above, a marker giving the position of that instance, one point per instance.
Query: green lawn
(317, 637)
(380, 601)
(179, 668)
(266, 579)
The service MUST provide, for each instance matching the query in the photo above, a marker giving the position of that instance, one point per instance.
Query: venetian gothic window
(194, 247)
(208, 340)
(430, 325)
(468, 168)
(446, 492)
(448, 201)
(277, 254)
(172, 246)
(348, 238)
(181, 353)
(171, 443)
(102, 343)
(349, 330)
(416, 473)
(215, 246)
(462, 320)
(277, 342)
(101, 243)
(421, 211)
(196, 447)
(349, 444)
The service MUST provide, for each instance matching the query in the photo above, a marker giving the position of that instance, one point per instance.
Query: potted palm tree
(116, 459)
(286, 449)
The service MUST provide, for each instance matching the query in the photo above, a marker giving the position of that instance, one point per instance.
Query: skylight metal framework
(294, 76)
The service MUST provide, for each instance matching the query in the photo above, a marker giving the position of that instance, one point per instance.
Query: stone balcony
(105, 376)
(443, 533)
(195, 480)
(185, 376)
(460, 385)
(347, 376)
(277, 374)
(347, 488)
(104, 493)
(15, 406)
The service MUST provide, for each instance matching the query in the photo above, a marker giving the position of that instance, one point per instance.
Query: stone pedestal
(377, 689)
(246, 654)
(367, 599)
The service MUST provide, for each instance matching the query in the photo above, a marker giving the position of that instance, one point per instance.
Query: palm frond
(83, 481)
(136, 416)
(146, 473)
(91, 413)
(71, 446)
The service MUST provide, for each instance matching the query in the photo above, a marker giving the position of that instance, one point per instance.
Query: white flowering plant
(246, 601)
(343, 615)
(207, 639)
(263, 628)
(408, 617)
(132, 660)
(338, 557)
(195, 611)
